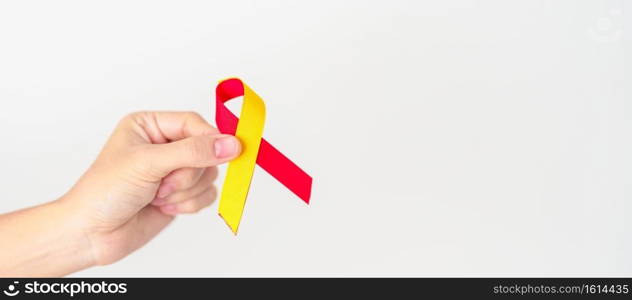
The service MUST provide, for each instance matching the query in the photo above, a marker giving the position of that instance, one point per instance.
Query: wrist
(43, 241)
(72, 235)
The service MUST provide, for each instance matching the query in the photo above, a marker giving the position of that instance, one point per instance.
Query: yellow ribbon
(240, 171)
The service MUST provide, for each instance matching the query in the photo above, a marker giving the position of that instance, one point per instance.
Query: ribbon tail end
(233, 227)
(306, 193)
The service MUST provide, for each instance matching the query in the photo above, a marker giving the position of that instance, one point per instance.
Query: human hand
(155, 166)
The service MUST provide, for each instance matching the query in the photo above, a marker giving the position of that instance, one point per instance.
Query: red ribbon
(269, 158)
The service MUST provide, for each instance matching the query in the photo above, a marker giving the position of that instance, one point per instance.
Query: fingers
(164, 127)
(178, 180)
(180, 125)
(190, 200)
(193, 205)
(202, 183)
(194, 152)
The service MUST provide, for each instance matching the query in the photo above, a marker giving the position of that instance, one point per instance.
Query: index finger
(167, 126)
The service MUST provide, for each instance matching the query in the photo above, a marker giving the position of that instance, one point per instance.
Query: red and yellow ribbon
(255, 150)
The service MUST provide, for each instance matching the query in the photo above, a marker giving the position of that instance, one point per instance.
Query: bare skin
(155, 166)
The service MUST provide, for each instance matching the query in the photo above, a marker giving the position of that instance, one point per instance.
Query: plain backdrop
(445, 138)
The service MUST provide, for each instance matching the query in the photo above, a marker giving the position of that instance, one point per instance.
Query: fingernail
(226, 147)
(164, 191)
(169, 209)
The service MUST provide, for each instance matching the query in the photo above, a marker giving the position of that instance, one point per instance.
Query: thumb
(194, 152)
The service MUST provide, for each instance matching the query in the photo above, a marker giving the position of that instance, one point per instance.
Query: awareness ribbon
(248, 128)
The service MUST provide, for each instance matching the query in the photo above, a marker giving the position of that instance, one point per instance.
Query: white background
(445, 138)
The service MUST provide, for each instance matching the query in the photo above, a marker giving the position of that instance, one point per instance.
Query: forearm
(45, 240)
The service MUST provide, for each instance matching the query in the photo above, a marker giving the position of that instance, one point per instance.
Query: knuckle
(191, 206)
(198, 203)
(193, 115)
(134, 115)
(127, 119)
(197, 208)
(209, 196)
(185, 178)
(138, 117)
